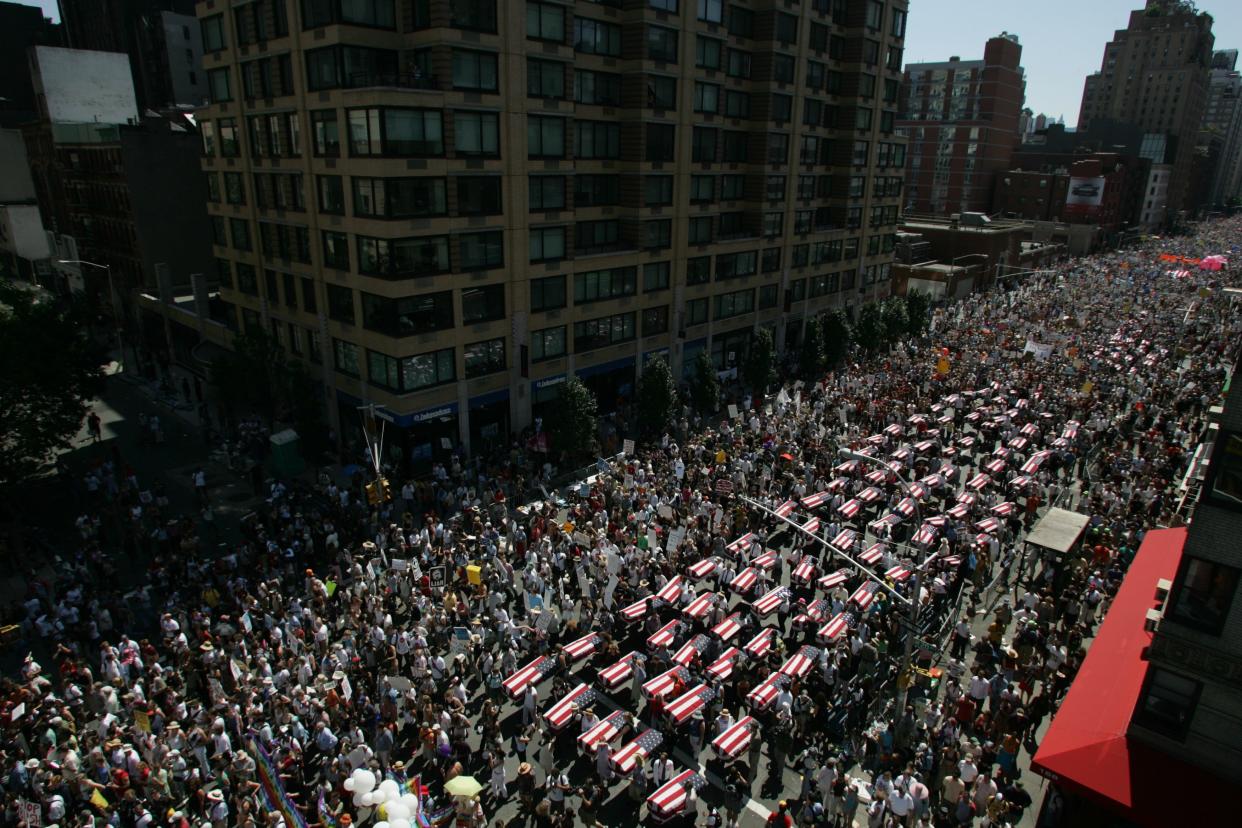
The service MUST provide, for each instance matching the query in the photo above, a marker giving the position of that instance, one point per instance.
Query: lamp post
(907, 658)
(116, 311)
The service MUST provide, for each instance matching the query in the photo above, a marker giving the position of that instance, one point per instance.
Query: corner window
(1203, 594)
(474, 15)
(1224, 486)
(483, 358)
(1167, 703)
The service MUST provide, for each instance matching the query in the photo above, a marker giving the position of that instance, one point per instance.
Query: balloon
(359, 802)
(372, 798)
(410, 800)
(381, 825)
(399, 823)
(397, 810)
(390, 789)
(364, 780)
(349, 784)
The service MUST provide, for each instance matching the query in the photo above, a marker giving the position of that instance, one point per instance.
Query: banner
(268, 777)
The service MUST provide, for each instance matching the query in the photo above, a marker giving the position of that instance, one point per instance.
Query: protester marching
(813, 610)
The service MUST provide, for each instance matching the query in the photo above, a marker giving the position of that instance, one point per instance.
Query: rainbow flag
(277, 799)
(325, 813)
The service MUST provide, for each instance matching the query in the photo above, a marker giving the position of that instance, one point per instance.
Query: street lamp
(907, 658)
(116, 312)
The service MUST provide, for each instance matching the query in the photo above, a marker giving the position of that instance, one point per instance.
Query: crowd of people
(742, 569)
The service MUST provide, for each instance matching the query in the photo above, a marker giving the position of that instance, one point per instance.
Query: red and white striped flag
(690, 651)
(759, 646)
(736, 739)
(850, 508)
(834, 628)
(978, 481)
(703, 568)
(517, 683)
(559, 714)
(666, 635)
(925, 535)
(800, 663)
(765, 561)
(988, 524)
(811, 501)
(583, 647)
(897, 573)
(770, 601)
(605, 731)
(742, 544)
(636, 610)
(728, 627)
(670, 592)
(873, 554)
(864, 595)
(664, 683)
(722, 667)
(805, 570)
(745, 580)
(701, 605)
(670, 798)
(687, 704)
(845, 539)
(833, 579)
(613, 676)
(623, 760)
(786, 508)
(811, 525)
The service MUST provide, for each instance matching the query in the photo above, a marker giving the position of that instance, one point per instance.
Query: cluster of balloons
(393, 808)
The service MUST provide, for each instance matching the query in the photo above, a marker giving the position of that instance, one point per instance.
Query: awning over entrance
(1086, 749)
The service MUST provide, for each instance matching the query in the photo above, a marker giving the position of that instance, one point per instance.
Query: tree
(869, 330)
(48, 374)
(573, 422)
(657, 398)
(704, 385)
(893, 312)
(811, 359)
(918, 312)
(759, 362)
(837, 335)
(252, 376)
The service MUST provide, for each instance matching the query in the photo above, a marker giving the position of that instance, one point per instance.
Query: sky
(1062, 40)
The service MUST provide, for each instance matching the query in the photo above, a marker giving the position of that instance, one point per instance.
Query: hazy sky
(1062, 40)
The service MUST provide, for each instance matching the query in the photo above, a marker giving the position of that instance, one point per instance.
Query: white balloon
(399, 823)
(349, 784)
(391, 789)
(381, 825)
(410, 800)
(364, 780)
(397, 810)
(359, 800)
(369, 799)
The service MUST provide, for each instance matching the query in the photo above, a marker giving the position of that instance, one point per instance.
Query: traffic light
(379, 491)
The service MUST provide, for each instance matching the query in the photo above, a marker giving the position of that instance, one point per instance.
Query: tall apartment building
(20, 28)
(1155, 74)
(963, 119)
(1222, 125)
(451, 206)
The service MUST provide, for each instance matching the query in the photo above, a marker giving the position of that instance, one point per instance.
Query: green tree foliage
(918, 312)
(896, 322)
(48, 375)
(572, 424)
(837, 336)
(811, 358)
(760, 361)
(257, 377)
(704, 386)
(869, 330)
(657, 398)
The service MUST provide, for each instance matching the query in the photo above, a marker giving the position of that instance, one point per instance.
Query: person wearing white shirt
(967, 771)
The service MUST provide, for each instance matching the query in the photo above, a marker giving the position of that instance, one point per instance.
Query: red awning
(1086, 748)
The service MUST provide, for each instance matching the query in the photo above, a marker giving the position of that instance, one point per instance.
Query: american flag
(933, 480)
(1002, 451)
(1030, 430)
(968, 498)
(605, 731)
(897, 573)
(1004, 509)
(623, 760)
(817, 609)
(838, 484)
(876, 439)
(925, 535)
(662, 684)
(979, 481)
(945, 419)
(690, 651)
(685, 705)
(877, 477)
(989, 525)
(894, 430)
(833, 579)
(805, 570)
(744, 580)
(919, 490)
(873, 554)
(864, 595)
(666, 635)
(937, 521)
(770, 601)
(736, 739)
(700, 606)
(671, 797)
(901, 454)
(722, 667)
(583, 647)
(742, 543)
(845, 539)
(765, 693)
(728, 627)
(1071, 430)
(1037, 459)
(905, 507)
(924, 446)
(1018, 443)
(811, 501)
(765, 561)
(833, 628)
(517, 683)
(559, 714)
(847, 467)
(786, 508)
(966, 442)
(983, 539)
(670, 592)
(973, 417)
(850, 508)
(958, 511)
(811, 525)
(637, 609)
(870, 494)
(758, 646)
(951, 560)
(704, 568)
(799, 664)
(1019, 481)
(619, 672)
(995, 466)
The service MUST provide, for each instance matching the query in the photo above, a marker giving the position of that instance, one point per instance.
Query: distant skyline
(1062, 40)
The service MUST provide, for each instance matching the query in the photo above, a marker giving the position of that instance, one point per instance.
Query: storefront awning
(1086, 748)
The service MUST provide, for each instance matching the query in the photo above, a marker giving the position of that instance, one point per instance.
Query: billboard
(1084, 196)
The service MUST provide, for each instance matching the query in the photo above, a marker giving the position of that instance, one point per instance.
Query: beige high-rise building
(450, 206)
(1154, 74)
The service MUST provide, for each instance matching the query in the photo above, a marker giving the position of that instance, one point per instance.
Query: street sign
(923, 645)
(438, 576)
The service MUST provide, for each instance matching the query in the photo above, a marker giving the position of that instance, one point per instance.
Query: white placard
(613, 580)
(732, 411)
(666, 512)
(628, 447)
(675, 538)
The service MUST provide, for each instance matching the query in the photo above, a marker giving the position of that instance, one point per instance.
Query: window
(661, 92)
(408, 315)
(871, 52)
(597, 190)
(427, 370)
(797, 290)
(702, 189)
(599, 285)
(661, 146)
(875, 15)
(661, 44)
(474, 15)
(706, 97)
(658, 190)
(782, 108)
(669, 6)
(862, 118)
(486, 357)
(771, 260)
(658, 234)
(482, 304)
(239, 230)
(474, 70)
(699, 270)
(599, 88)
(340, 304)
(375, 13)
(326, 132)
(545, 22)
(545, 79)
(861, 150)
(414, 197)
(480, 251)
(741, 22)
(230, 143)
(548, 343)
(768, 296)
(1225, 471)
(1203, 594)
(208, 131)
(1167, 703)
(345, 356)
(806, 187)
(545, 137)
(738, 65)
(331, 194)
(786, 28)
(396, 132)
(547, 192)
(700, 231)
(594, 37)
(218, 85)
(696, 312)
(711, 11)
(773, 224)
(736, 148)
(734, 304)
(597, 139)
(656, 276)
(213, 33)
(708, 53)
(782, 68)
(547, 293)
(655, 320)
(608, 330)
(597, 236)
(703, 145)
(476, 133)
(898, 27)
(732, 225)
(733, 265)
(213, 187)
(732, 187)
(399, 258)
(350, 67)
(247, 279)
(737, 104)
(547, 244)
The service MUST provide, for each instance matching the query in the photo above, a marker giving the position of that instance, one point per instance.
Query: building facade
(450, 207)
(20, 28)
(1222, 126)
(963, 119)
(1154, 74)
